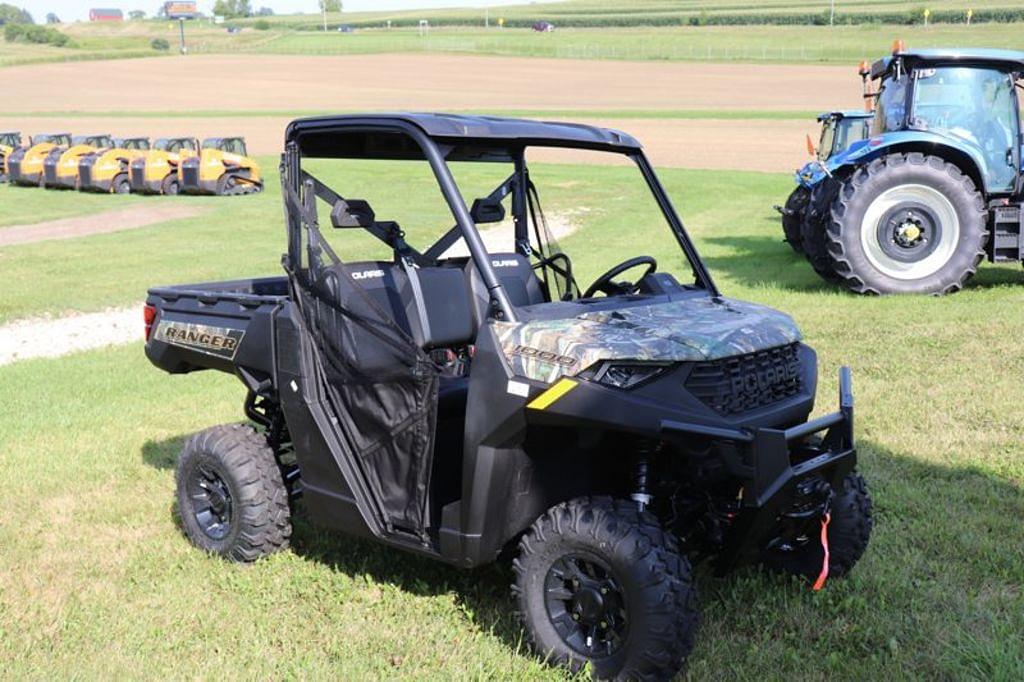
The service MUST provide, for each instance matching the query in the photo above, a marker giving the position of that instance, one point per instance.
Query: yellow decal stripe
(544, 400)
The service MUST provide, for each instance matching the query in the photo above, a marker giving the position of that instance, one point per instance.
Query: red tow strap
(823, 576)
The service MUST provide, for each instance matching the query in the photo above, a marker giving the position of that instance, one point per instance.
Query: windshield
(847, 131)
(11, 139)
(560, 219)
(976, 105)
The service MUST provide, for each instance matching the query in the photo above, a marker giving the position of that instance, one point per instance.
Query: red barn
(106, 15)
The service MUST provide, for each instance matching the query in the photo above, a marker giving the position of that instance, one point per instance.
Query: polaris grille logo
(765, 378)
(368, 274)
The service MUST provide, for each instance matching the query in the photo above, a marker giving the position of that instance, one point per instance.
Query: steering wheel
(605, 285)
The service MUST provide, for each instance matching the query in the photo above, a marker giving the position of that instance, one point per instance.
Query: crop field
(96, 577)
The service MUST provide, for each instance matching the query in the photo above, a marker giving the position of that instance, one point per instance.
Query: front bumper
(771, 462)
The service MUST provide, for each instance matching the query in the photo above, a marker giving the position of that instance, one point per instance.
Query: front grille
(50, 170)
(138, 175)
(84, 174)
(14, 168)
(747, 382)
(190, 175)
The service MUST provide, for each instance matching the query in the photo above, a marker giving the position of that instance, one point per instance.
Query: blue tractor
(936, 188)
(839, 129)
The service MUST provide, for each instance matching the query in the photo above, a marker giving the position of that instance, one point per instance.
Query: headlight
(618, 374)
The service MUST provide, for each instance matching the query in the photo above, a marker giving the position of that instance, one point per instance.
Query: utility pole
(323, 8)
(487, 17)
(181, 30)
(832, 13)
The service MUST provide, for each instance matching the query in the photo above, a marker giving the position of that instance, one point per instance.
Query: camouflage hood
(678, 331)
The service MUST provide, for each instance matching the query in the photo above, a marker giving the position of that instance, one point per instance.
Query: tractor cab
(133, 143)
(840, 129)
(58, 139)
(176, 145)
(25, 164)
(10, 140)
(963, 100)
(230, 145)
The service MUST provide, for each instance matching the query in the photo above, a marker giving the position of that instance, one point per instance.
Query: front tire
(121, 184)
(170, 185)
(907, 224)
(231, 496)
(812, 229)
(793, 217)
(849, 532)
(600, 582)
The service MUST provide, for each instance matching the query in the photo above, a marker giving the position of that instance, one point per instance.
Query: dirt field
(752, 144)
(414, 81)
(440, 82)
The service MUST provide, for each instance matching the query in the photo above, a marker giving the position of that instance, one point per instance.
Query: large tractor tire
(812, 229)
(600, 582)
(232, 498)
(907, 224)
(849, 531)
(793, 217)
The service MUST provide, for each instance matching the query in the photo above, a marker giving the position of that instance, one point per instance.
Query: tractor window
(826, 146)
(975, 105)
(892, 106)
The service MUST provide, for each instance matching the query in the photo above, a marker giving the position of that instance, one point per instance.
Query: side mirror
(487, 210)
(352, 213)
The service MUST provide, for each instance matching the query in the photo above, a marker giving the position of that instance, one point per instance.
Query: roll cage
(438, 139)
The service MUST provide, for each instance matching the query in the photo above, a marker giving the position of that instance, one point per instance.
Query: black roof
(457, 129)
(1005, 60)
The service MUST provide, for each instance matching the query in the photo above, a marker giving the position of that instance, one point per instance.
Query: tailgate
(227, 326)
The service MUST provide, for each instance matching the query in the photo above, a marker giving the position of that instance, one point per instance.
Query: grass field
(98, 581)
(839, 44)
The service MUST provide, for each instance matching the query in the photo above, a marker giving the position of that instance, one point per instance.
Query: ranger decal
(219, 341)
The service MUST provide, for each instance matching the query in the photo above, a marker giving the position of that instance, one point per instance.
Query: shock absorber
(641, 492)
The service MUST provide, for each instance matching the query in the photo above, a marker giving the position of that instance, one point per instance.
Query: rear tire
(232, 499)
(170, 186)
(849, 531)
(907, 224)
(793, 217)
(121, 184)
(812, 229)
(600, 568)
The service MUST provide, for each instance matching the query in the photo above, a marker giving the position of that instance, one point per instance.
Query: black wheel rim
(211, 502)
(909, 232)
(586, 605)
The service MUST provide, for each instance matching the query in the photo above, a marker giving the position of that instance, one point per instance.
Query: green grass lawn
(800, 44)
(26, 205)
(98, 580)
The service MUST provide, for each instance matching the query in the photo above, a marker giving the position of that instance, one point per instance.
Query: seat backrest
(515, 274)
(432, 306)
(441, 308)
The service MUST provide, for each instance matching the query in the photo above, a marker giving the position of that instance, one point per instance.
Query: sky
(78, 10)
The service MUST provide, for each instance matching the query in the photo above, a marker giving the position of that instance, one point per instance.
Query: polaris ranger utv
(468, 407)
